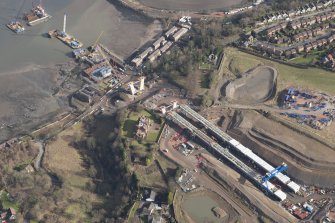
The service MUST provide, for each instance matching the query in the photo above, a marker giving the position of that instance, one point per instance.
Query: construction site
(192, 140)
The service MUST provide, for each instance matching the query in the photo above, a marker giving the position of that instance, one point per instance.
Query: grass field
(67, 163)
(311, 78)
(240, 64)
(6, 202)
(309, 59)
(205, 66)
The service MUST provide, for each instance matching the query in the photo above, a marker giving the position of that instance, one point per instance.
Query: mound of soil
(256, 86)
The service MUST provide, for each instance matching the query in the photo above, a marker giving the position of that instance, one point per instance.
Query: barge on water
(16, 27)
(37, 15)
(65, 38)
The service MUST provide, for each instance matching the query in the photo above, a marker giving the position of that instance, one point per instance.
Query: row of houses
(301, 23)
(161, 45)
(310, 7)
(309, 33)
(292, 52)
(319, 18)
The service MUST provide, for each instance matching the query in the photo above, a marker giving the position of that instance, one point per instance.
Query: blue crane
(272, 174)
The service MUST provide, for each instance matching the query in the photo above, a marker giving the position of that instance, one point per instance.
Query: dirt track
(255, 86)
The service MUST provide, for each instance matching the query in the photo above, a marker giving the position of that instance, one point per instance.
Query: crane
(18, 13)
(272, 174)
(96, 41)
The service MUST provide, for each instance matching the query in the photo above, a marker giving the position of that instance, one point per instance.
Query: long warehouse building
(176, 118)
(239, 147)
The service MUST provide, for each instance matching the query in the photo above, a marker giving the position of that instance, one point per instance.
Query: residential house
(314, 44)
(308, 47)
(311, 21)
(317, 31)
(309, 33)
(323, 18)
(319, 43)
(278, 52)
(270, 49)
(325, 25)
(304, 22)
(279, 16)
(307, 8)
(295, 24)
(324, 41)
(303, 10)
(318, 18)
(288, 54)
(291, 13)
(300, 48)
(298, 12)
(312, 7)
(326, 3)
(293, 52)
(330, 39)
(319, 5)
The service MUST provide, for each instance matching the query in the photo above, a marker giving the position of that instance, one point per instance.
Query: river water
(86, 19)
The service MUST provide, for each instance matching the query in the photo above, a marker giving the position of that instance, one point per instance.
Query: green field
(311, 78)
(309, 59)
(205, 66)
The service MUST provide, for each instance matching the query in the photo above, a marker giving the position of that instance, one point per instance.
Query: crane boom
(97, 40)
(21, 7)
(273, 173)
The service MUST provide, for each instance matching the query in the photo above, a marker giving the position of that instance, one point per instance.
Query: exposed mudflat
(255, 86)
(28, 76)
(27, 100)
(195, 5)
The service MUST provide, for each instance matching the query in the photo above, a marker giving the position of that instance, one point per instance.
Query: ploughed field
(195, 5)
